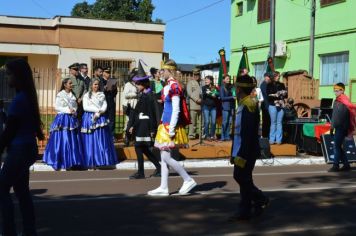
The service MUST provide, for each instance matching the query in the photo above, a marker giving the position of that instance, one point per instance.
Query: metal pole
(272, 27)
(312, 34)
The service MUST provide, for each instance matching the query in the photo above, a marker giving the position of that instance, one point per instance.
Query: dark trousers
(266, 122)
(249, 193)
(15, 173)
(111, 110)
(339, 153)
(142, 149)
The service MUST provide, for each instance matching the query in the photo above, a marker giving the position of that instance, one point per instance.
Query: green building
(335, 39)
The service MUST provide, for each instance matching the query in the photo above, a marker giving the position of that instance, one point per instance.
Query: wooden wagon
(303, 89)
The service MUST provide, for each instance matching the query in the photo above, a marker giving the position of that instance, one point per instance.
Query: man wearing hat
(246, 150)
(194, 101)
(143, 123)
(83, 73)
(77, 87)
(110, 91)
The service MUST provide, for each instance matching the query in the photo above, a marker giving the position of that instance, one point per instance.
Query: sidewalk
(208, 163)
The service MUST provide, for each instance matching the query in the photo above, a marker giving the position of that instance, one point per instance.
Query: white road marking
(194, 176)
(294, 230)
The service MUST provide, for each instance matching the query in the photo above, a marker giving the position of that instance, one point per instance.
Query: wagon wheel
(302, 109)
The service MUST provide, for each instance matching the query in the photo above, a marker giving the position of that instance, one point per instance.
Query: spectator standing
(210, 94)
(78, 87)
(194, 102)
(83, 73)
(228, 106)
(266, 119)
(157, 85)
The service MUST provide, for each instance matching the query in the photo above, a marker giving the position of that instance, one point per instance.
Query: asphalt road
(305, 200)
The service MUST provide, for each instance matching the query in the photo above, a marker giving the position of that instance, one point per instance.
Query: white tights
(166, 159)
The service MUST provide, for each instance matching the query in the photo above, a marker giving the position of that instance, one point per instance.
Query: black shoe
(334, 169)
(345, 168)
(157, 173)
(137, 175)
(260, 207)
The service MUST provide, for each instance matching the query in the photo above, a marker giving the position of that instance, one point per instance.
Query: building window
(120, 69)
(329, 2)
(239, 8)
(260, 68)
(264, 10)
(334, 68)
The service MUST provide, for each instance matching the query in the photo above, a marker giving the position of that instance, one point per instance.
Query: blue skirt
(97, 141)
(64, 148)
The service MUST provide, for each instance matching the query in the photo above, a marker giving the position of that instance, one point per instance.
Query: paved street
(305, 200)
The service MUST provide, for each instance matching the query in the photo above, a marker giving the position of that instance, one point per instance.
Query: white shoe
(187, 186)
(158, 192)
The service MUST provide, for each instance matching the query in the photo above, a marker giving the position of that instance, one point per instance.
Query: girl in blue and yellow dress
(64, 149)
(97, 140)
(171, 133)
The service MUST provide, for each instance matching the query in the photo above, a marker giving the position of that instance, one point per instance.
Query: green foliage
(130, 10)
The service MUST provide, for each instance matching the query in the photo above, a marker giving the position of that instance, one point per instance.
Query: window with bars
(334, 68)
(260, 68)
(239, 8)
(264, 10)
(329, 2)
(120, 69)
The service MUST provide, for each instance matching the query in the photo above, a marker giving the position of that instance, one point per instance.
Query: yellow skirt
(164, 142)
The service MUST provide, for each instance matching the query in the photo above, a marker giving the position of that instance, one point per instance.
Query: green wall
(335, 31)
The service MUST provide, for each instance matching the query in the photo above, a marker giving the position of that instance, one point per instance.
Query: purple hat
(141, 74)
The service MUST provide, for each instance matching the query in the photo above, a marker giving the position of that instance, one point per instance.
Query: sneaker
(157, 173)
(260, 207)
(334, 169)
(345, 168)
(137, 175)
(187, 186)
(158, 192)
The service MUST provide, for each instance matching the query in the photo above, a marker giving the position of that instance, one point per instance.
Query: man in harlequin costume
(171, 133)
(246, 150)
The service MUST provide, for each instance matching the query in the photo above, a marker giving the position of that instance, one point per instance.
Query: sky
(195, 29)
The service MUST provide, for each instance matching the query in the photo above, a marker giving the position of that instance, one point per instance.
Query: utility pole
(312, 34)
(272, 28)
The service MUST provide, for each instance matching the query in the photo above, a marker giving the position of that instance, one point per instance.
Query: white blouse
(96, 103)
(65, 102)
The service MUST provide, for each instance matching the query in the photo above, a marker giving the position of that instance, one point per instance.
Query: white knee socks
(167, 159)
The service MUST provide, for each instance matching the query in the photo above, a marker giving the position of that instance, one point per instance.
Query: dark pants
(266, 122)
(140, 150)
(339, 153)
(249, 193)
(111, 110)
(15, 173)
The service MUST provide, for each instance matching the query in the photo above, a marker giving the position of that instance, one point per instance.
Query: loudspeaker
(311, 146)
(327, 147)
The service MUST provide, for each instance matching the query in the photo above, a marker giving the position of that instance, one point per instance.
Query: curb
(200, 163)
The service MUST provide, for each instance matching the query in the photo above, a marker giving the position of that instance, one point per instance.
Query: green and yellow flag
(244, 64)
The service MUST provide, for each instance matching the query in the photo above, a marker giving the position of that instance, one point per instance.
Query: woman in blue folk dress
(97, 140)
(64, 149)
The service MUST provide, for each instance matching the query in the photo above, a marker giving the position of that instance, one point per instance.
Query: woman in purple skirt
(97, 140)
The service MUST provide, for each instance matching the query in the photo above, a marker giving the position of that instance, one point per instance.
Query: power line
(44, 9)
(195, 11)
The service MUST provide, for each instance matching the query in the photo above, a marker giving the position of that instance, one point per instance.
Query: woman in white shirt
(64, 149)
(97, 139)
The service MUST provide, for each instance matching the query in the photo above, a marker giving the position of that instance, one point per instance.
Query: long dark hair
(22, 73)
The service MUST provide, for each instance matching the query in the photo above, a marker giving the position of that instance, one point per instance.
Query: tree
(130, 10)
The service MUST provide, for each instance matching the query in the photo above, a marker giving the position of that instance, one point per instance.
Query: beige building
(61, 41)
